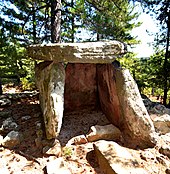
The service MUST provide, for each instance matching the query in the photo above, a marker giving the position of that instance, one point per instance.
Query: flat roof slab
(87, 52)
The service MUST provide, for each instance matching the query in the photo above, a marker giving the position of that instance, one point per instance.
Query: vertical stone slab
(107, 93)
(50, 80)
(136, 125)
(80, 86)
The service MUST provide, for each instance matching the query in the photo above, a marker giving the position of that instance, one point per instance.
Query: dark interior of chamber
(81, 102)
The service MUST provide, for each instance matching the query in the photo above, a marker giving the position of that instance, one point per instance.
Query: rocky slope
(24, 148)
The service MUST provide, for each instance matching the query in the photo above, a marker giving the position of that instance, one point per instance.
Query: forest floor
(27, 158)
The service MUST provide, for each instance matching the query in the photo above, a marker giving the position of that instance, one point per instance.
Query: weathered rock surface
(158, 109)
(8, 125)
(25, 118)
(159, 114)
(107, 92)
(114, 159)
(50, 79)
(163, 144)
(122, 104)
(135, 123)
(87, 52)
(53, 150)
(12, 139)
(25, 94)
(107, 132)
(165, 150)
(4, 100)
(162, 123)
(166, 138)
(80, 139)
(80, 87)
(155, 107)
(57, 167)
(4, 170)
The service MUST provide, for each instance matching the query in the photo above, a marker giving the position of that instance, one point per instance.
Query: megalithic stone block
(87, 52)
(136, 124)
(107, 93)
(122, 104)
(50, 80)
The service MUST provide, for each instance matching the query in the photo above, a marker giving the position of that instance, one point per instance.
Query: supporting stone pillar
(107, 93)
(121, 102)
(50, 80)
(136, 124)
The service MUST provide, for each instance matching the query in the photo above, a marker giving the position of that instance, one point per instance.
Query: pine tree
(161, 11)
(111, 19)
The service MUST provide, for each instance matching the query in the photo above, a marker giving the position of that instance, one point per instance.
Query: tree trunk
(72, 23)
(34, 24)
(55, 21)
(1, 87)
(165, 63)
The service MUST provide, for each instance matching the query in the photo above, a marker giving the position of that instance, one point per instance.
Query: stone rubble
(159, 114)
(162, 123)
(165, 150)
(107, 132)
(25, 118)
(128, 161)
(12, 139)
(54, 150)
(77, 140)
(8, 125)
(113, 158)
(4, 101)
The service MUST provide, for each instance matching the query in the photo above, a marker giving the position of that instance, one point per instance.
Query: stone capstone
(50, 79)
(87, 52)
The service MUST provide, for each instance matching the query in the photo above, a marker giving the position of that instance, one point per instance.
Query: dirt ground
(27, 158)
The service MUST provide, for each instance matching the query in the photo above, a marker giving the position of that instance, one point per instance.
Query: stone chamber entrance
(81, 101)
